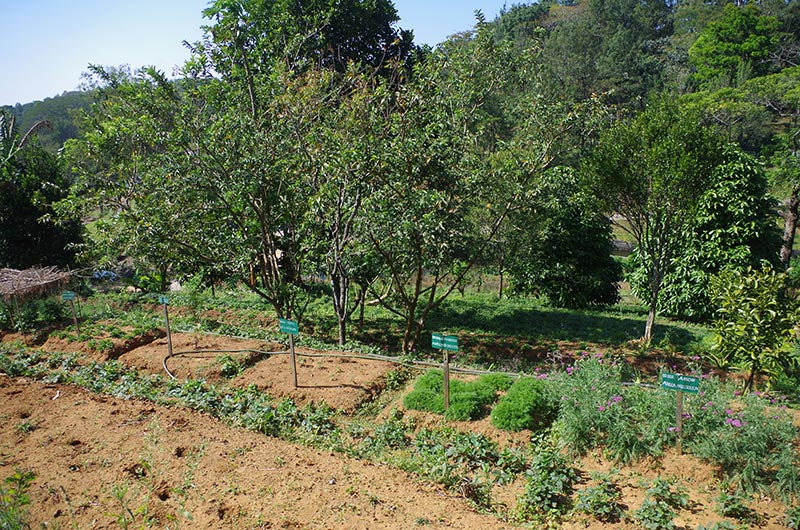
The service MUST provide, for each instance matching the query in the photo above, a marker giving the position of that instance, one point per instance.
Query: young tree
(733, 229)
(651, 171)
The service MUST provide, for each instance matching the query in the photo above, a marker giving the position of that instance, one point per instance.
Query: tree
(733, 229)
(651, 171)
(31, 180)
(560, 245)
(735, 47)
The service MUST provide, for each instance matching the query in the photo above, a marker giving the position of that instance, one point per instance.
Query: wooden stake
(169, 335)
(679, 419)
(446, 369)
(294, 361)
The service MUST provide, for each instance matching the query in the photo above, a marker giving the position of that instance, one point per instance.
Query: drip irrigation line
(418, 365)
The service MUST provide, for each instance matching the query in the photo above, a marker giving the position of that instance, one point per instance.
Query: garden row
(751, 439)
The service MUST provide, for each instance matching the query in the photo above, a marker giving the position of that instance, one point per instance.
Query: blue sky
(47, 44)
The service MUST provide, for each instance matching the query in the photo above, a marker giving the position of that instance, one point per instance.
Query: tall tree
(31, 180)
(651, 171)
(735, 47)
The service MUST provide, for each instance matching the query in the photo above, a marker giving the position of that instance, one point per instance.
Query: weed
(26, 426)
(13, 499)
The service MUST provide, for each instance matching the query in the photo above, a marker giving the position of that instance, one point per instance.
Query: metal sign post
(446, 343)
(292, 328)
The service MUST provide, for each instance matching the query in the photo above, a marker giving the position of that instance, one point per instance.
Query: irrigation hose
(418, 365)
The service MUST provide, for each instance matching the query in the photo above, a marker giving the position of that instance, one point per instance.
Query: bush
(525, 406)
(467, 400)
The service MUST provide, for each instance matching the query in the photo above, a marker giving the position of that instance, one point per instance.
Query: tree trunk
(340, 285)
(655, 287)
(789, 228)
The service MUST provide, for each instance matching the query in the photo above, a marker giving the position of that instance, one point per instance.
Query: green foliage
(562, 247)
(467, 400)
(755, 321)
(229, 366)
(732, 229)
(752, 444)
(793, 517)
(602, 501)
(735, 47)
(13, 499)
(549, 484)
(735, 505)
(678, 155)
(31, 180)
(526, 405)
(660, 506)
(597, 410)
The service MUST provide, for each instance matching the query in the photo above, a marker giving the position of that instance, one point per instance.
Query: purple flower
(601, 408)
(615, 399)
(672, 429)
(541, 376)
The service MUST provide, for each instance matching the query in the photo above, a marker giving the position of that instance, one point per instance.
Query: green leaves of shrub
(467, 400)
(525, 406)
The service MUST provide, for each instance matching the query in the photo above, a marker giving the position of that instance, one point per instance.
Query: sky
(48, 44)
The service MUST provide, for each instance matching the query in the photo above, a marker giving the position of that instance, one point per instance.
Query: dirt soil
(103, 462)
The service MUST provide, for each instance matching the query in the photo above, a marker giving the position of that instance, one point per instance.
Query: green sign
(444, 342)
(288, 326)
(67, 296)
(684, 383)
(163, 299)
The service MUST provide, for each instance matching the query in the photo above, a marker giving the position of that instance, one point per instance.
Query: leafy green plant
(229, 366)
(525, 406)
(756, 319)
(13, 499)
(602, 501)
(734, 504)
(660, 506)
(549, 485)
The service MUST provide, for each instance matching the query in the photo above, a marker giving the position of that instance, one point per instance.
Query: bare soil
(103, 462)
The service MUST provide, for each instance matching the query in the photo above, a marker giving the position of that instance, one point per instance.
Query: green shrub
(468, 400)
(525, 406)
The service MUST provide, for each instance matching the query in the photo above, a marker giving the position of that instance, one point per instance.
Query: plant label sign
(444, 342)
(682, 383)
(163, 299)
(67, 296)
(288, 326)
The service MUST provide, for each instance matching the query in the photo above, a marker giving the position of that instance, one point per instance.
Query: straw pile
(31, 283)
